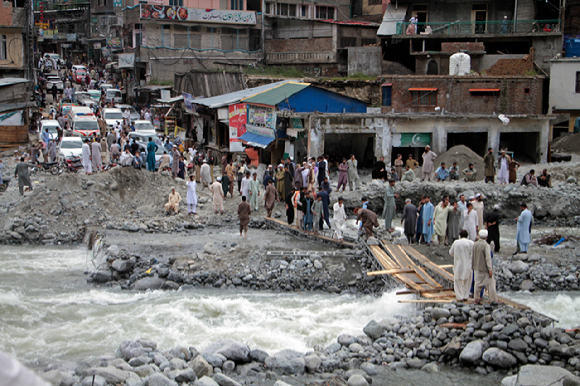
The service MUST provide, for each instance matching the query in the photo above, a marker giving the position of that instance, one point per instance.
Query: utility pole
(29, 42)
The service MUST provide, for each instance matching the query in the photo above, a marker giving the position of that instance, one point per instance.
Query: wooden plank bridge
(325, 237)
(410, 267)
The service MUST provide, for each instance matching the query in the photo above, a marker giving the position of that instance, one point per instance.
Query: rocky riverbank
(485, 341)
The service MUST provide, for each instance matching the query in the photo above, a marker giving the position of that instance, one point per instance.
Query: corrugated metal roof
(392, 16)
(256, 140)
(12, 81)
(276, 95)
(234, 97)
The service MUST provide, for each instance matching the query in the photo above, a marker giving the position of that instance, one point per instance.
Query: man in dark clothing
(325, 198)
(326, 186)
(492, 224)
(379, 171)
(368, 219)
(288, 188)
(290, 206)
(410, 218)
(267, 178)
(321, 171)
(54, 92)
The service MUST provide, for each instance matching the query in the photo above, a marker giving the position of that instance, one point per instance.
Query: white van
(76, 110)
(112, 94)
(85, 126)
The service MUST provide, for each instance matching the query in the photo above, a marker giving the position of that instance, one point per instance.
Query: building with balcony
(412, 27)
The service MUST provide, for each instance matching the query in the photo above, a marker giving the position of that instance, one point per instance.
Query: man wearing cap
(462, 253)
(173, 203)
(280, 181)
(489, 162)
(492, 225)
(389, 208)
(353, 178)
(523, 230)
(428, 158)
(254, 191)
(470, 173)
(205, 174)
(218, 196)
(410, 218)
(483, 269)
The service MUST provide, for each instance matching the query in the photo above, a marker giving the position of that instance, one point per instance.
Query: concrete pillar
(493, 136)
(439, 139)
(543, 145)
(384, 140)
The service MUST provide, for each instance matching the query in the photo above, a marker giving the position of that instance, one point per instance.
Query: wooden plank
(397, 250)
(303, 233)
(446, 266)
(512, 303)
(383, 258)
(428, 263)
(389, 272)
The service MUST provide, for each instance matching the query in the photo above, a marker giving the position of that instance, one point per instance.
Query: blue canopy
(256, 140)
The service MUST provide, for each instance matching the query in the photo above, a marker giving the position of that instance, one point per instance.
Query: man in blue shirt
(442, 173)
(45, 136)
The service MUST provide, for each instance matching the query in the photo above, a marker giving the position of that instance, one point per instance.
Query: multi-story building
(12, 41)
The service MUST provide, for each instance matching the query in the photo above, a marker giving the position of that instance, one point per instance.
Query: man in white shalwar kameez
(462, 252)
(191, 195)
(339, 218)
(478, 207)
(205, 174)
(86, 154)
(470, 223)
(462, 207)
(97, 157)
(503, 168)
(254, 191)
(245, 186)
(218, 195)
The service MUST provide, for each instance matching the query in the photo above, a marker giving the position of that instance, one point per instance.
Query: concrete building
(565, 93)
(12, 38)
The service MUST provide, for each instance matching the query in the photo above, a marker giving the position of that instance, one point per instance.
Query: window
(177, 3)
(347, 42)
(303, 11)
(375, 2)
(3, 53)
(578, 82)
(286, 9)
(368, 41)
(424, 98)
(269, 7)
(166, 26)
(526, 90)
(237, 5)
(387, 89)
(324, 13)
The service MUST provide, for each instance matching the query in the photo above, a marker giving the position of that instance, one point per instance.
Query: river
(49, 313)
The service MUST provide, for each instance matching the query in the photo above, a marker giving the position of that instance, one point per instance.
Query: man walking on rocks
(462, 253)
(389, 209)
(489, 162)
(206, 178)
(191, 195)
(280, 181)
(218, 196)
(353, 178)
(428, 158)
(245, 186)
(23, 175)
(173, 203)
(244, 212)
(175, 165)
(523, 231)
(270, 198)
(492, 226)
(339, 218)
(86, 154)
(483, 269)
(96, 155)
(410, 218)
(368, 219)
(342, 175)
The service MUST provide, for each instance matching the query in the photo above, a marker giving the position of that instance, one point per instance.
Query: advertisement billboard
(237, 123)
(174, 13)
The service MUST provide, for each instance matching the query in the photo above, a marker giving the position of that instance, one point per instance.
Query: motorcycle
(5, 183)
(51, 167)
(72, 164)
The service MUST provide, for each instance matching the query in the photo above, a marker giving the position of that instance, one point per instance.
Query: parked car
(113, 95)
(94, 95)
(79, 67)
(53, 57)
(70, 147)
(53, 79)
(144, 126)
(133, 113)
(106, 86)
(111, 116)
(65, 106)
(79, 76)
(51, 125)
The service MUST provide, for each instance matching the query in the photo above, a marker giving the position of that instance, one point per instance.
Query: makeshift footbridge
(407, 265)
(322, 236)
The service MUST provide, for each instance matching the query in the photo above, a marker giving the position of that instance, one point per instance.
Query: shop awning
(422, 89)
(256, 140)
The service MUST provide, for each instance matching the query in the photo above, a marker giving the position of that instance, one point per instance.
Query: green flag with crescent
(411, 139)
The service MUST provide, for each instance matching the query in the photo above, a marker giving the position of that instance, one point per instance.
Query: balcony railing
(492, 27)
(61, 5)
(300, 57)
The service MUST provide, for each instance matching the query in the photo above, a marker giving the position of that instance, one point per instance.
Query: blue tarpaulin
(256, 140)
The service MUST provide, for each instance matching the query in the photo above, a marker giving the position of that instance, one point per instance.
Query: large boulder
(499, 358)
(287, 361)
(357, 380)
(438, 313)
(374, 330)
(149, 283)
(205, 381)
(234, 351)
(224, 380)
(201, 367)
(536, 375)
(159, 379)
(129, 349)
(111, 374)
(518, 267)
(473, 351)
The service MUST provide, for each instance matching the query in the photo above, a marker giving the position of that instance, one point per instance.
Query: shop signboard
(175, 13)
(127, 60)
(237, 125)
(262, 116)
(411, 139)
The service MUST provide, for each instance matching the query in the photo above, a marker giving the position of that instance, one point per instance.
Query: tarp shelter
(394, 14)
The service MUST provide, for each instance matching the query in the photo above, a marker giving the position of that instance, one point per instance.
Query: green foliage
(531, 73)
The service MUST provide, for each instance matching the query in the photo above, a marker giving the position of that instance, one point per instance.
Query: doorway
(361, 145)
(475, 141)
(421, 12)
(523, 145)
(479, 18)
